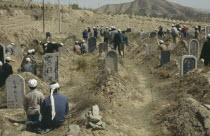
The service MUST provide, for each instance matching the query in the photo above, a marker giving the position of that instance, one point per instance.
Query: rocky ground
(142, 99)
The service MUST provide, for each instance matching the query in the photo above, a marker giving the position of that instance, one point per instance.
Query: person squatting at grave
(85, 34)
(196, 32)
(54, 109)
(205, 53)
(7, 68)
(28, 55)
(10, 48)
(32, 105)
(117, 40)
(77, 48)
(95, 30)
(84, 47)
(106, 35)
(28, 67)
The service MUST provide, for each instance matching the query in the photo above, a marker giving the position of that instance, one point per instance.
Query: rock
(95, 110)
(74, 130)
(95, 119)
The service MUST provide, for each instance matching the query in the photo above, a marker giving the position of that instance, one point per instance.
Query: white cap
(161, 42)
(61, 44)
(196, 26)
(30, 51)
(32, 83)
(85, 28)
(54, 86)
(83, 41)
(76, 42)
(28, 59)
(107, 27)
(48, 41)
(119, 30)
(180, 29)
(172, 25)
(45, 44)
(184, 25)
(208, 35)
(94, 27)
(1, 64)
(112, 26)
(12, 44)
(33, 50)
(8, 58)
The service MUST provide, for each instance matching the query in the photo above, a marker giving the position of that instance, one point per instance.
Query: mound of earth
(181, 49)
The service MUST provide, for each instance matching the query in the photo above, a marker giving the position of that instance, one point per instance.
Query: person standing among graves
(85, 34)
(185, 31)
(32, 105)
(7, 67)
(95, 32)
(162, 46)
(205, 53)
(84, 47)
(160, 32)
(48, 36)
(10, 48)
(196, 32)
(28, 67)
(117, 40)
(124, 41)
(106, 35)
(174, 33)
(2, 75)
(54, 109)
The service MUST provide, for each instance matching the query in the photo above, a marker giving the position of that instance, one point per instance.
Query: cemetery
(148, 92)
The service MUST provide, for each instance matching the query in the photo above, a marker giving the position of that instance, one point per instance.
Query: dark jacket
(95, 33)
(2, 77)
(8, 70)
(117, 38)
(85, 34)
(205, 53)
(124, 39)
(61, 109)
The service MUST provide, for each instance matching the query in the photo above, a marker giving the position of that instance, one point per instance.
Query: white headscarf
(52, 89)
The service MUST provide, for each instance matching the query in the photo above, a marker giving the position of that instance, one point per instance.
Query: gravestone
(165, 57)
(50, 67)
(194, 48)
(18, 52)
(173, 46)
(207, 31)
(15, 86)
(128, 30)
(188, 62)
(148, 49)
(103, 47)
(91, 44)
(111, 61)
(2, 53)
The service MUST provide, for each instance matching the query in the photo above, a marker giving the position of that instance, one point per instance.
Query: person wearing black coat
(205, 53)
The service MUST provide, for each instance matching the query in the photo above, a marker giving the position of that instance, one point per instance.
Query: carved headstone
(188, 62)
(2, 53)
(15, 86)
(148, 49)
(207, 30)
(111, 61)
(91, 44)
(18, 52)
(103, 47)
(165, 57)
(50, 67)
(194, 48)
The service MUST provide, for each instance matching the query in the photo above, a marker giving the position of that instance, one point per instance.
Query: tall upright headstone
(188, 63)
(111, 61)
(50, 67)
(194, 48)
(2, 53)
(15, 86)
(18, 52)
(91, 44)
(207, 31)
(165, 57)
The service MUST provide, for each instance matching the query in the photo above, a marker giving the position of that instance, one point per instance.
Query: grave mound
(180, 49)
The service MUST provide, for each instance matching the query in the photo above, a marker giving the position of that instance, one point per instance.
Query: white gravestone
(194, 48)
(50, 67)
(148, 49)
(188, 63)
(18, 52)
(207, 31)
(111, 61)
(15, 86)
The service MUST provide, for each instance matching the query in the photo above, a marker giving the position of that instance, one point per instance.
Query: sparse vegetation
(81, 63)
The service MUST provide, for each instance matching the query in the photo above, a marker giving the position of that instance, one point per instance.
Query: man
(174, 33)
(7, 68)
(32, 104)
(196, 32)
(165, 51)
(84, 47)
(2, 75)
(54, 109)
(85, 34)
(10, 48)
(28, 67)
(160, 32)
(124, 41)
(185, 31)
(28, 55)
(117, 39)
(77, 48)
(205, 53)
(95, 30)
(106, 35)
(33, 57)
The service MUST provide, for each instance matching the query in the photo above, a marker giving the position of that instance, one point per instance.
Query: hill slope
(156, 8)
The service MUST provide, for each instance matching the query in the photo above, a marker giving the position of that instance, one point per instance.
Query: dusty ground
(136, 101)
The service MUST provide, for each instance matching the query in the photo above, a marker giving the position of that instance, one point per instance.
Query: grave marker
(207, 31)
(188, 62)
(165, 57)
(15, 86)
(111, 61)
(91, 44)
(103, 47)
(50, 67)
(194, 48)
(148, 49)
(2, 53)
(18, 52)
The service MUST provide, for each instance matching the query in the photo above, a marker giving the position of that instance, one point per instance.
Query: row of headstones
(24, 6)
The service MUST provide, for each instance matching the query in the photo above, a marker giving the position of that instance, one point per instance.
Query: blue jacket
(96, 33)
(61, 109)
(85, 34)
